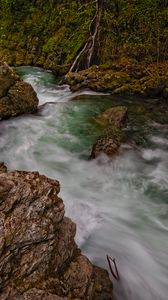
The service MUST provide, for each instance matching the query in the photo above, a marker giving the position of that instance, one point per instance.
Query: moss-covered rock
(113, 116)
(109, 142)
(125, 77)
(16, 97)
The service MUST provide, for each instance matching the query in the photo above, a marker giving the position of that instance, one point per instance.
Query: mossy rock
(113, 116)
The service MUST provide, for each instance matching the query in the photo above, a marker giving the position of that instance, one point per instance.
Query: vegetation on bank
(47, 33)
(51, 33)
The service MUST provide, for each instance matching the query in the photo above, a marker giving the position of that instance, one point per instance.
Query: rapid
(120, 206)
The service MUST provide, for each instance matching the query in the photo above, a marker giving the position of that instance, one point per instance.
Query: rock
(7, 79)
(154, 91)
(122, 78)
(36, 294)
(39, 258)
(108, 143)
(3, 168)
(16, 96)
(155, 85)
(98, 79)
(101, 287)
(113, 116)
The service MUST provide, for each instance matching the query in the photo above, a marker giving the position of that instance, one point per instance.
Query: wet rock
(3, 168)
(7, 79)
(16, 97)
(38, 295)
(113, 116)
(112, 120)
(109, 143)
(154, 87)
(101, 287)
(39, 258)
(127, 77)
(98, 78)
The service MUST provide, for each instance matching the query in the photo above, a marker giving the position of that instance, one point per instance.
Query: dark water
(120, 206)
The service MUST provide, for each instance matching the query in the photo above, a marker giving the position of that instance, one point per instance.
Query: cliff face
(52, 33)
(39, 258)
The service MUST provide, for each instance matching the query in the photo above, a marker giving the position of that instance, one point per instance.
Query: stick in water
(116, 276)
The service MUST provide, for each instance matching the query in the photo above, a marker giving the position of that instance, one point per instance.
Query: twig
(116, 273)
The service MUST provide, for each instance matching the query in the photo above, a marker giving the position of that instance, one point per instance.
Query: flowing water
(120, 206)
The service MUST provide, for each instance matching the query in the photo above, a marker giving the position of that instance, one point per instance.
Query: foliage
(135, 28)
(59, 28)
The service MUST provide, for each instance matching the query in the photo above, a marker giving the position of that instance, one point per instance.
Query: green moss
(136, 29)
(59, 29)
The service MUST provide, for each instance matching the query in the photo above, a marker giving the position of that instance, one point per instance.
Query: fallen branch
(116, 273)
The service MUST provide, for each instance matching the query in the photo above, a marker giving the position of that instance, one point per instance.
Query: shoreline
(126, 77)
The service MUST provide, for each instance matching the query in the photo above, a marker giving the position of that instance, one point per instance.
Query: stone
(16, 96)
(36, 294)
(127, 77)
(113, 116)
(3, 168)
(109, 143)
(39, 258)
(7, 79)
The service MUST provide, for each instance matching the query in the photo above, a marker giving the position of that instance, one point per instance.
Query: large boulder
(16, 96)
(39, 258)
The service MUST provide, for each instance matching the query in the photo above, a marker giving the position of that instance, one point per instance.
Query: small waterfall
(84, 58)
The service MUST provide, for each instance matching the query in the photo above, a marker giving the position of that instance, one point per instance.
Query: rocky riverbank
(125, 77)
(127, 40)
(39, 258)
(16, 96)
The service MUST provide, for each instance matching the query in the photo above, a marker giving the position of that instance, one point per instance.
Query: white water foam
(109, 200)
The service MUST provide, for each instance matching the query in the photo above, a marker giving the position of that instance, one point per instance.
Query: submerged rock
(113, 116)
(39, 258)
(109, 143)
(16, 97)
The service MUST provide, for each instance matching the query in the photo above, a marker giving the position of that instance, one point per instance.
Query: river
(120, 206)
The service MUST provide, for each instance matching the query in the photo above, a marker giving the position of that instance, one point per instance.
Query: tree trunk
(84, 59)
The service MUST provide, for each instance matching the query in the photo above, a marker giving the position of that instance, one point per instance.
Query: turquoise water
(120, 205)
